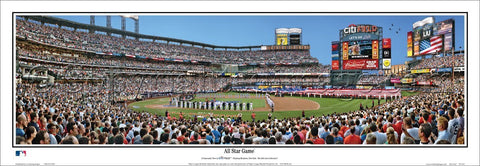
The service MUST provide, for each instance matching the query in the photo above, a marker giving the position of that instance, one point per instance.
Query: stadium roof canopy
(76, 25)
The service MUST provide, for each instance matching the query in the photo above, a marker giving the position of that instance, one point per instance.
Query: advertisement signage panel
(420, 71)
(335, 51)
(417, 34)
(448, 39)
(375, 49)
(416, 48)
(409, 51)
(282, 39)
(334, 47)
(427, 31)
(387, 53)
(395, 80)
(335, 65)
(294, 39)
(459, 69)
(359, 64)
(406, 80)
(410, 44)
(387, 63)
(345, 50)
(443, 27)
(424, 83)
(443, 70)
(386, 43)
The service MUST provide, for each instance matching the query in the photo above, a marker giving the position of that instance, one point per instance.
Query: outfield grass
(327, 106)
(406, 93)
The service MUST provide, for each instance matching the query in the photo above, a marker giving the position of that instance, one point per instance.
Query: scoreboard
(288, 36)
(360, 48)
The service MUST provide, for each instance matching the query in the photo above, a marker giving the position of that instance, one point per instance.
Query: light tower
(124, 23)
(92, 22)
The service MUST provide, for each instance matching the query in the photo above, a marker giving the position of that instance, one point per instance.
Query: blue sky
(240, 30)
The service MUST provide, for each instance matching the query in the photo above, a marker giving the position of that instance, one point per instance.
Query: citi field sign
(352, 28)
(360, 32)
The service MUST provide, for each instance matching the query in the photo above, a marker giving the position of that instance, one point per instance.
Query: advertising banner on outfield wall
(335, 65)
(420, 71)
(395, 80)
(407, 80)
(459, 69)
(424, 83)
(360, 64)
(443, 70)
(387, 63)
(389, 87)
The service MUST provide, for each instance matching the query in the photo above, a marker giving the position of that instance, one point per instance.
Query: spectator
(442, 124)
(371, 138)
(352, 138)
(21, 125)
(412, 131)
(424, 132)
(41, 138)
(30, 134)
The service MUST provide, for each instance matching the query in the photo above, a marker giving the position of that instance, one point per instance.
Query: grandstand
(76, 86)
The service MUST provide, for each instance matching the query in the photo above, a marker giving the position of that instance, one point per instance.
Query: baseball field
(284, 106)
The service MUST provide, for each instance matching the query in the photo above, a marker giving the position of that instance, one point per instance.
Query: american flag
(431, 47)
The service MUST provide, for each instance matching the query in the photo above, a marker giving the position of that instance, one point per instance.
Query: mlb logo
(21, 153)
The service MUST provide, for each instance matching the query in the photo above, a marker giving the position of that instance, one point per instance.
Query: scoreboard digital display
(294, 39)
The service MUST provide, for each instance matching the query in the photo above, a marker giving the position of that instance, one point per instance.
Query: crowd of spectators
(62, 115)
(103, 43)
(319, 68)
(441, 62)
(29, 52)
